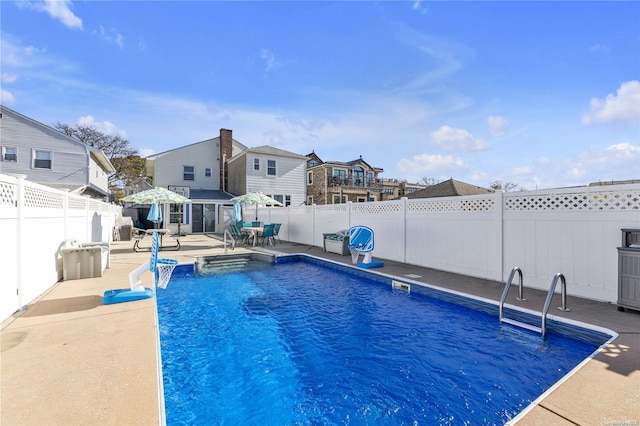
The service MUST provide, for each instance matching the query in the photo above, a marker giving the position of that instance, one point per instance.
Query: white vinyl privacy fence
(575, 231)
(34, 221)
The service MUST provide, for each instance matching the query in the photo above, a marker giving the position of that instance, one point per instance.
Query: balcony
(337, 183)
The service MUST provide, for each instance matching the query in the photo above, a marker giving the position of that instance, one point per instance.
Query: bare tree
(429, 181)
(504, 186)
(125, 159)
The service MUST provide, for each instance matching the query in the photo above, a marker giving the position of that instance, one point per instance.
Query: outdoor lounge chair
(361, 242)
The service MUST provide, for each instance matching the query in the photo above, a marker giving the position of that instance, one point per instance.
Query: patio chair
(267, 234)
(361, 242)
(237, 234)
(276, 231)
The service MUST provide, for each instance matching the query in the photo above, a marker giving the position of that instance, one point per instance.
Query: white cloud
(57, 9)
(497, 125)
(6, 97)
(621, 108)
(452, 139)
(105, 127)
(270, 60)
(417, 6)
(436, 166)
(6, 77)
(111, 36)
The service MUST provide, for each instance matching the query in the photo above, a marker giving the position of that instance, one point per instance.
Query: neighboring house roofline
(217, 138)
(449, 188)
(268, 150)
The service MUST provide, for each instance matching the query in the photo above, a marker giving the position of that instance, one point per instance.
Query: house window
(310, 178)
(188, 173)
(362, 199)
(207, 172)
(256, 164)
(339, 177)
(271, 167)
(337, 199)
(9, 153)
(369, 178)
(279, 198)
(310, 200)
(41, 159)
(358, 176)
(287, 200)
(176, 213)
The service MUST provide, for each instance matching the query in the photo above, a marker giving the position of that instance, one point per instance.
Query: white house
(275, 172)
(49, 157)
(197, 171)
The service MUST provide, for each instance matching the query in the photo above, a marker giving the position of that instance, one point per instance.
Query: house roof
(217, 138)
(209, 194)
(269, 150)
(343, 163)
(449, 188)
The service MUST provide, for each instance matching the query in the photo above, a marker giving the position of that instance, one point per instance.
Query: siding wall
(290, 177)
(70, 159)
(169, 166)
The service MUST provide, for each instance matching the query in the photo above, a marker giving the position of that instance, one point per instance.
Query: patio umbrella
(237, 212)
(155, 213)
(257, 199)
(156, 195)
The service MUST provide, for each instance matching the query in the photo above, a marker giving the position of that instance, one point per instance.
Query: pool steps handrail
(547, 302)
(233, 240)
(543, 316)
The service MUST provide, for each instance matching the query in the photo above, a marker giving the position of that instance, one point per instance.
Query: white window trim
(256, 162)
(184, 172)
(33, 159)
(309, 178)
(275, 167)
(4, 152)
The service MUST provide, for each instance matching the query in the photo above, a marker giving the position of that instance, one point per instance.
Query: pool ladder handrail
(508, 286)
(547, 303)
(233, 240)
(543, 323)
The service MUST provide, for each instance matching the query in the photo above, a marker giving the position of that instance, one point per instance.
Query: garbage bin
(629, 270)
(126, 232)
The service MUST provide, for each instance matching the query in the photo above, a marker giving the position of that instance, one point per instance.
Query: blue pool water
(304, 343)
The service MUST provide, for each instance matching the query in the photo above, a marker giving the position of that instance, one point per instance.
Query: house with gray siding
(49, 157)
(275, 172)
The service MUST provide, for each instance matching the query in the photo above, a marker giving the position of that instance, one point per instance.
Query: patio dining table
(138, 238)
(255, 231)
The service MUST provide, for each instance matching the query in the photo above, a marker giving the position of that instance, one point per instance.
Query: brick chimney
(226, 150)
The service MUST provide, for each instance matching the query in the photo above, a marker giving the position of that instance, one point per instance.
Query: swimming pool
(311, 342)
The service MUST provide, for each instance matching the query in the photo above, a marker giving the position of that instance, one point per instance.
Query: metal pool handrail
(547, 303)
(508, 286)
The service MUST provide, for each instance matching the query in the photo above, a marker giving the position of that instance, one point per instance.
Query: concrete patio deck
(67, 359)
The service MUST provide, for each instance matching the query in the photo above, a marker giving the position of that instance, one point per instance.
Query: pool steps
(543, 316)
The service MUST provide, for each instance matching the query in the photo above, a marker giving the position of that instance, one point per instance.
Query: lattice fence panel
(375, 208)
(7, 194)
(34, 197)
(589, 201)
(483, 205)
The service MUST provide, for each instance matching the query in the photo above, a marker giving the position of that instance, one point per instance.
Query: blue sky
(542, 94)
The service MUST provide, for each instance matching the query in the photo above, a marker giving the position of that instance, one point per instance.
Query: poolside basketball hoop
(164, 269)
